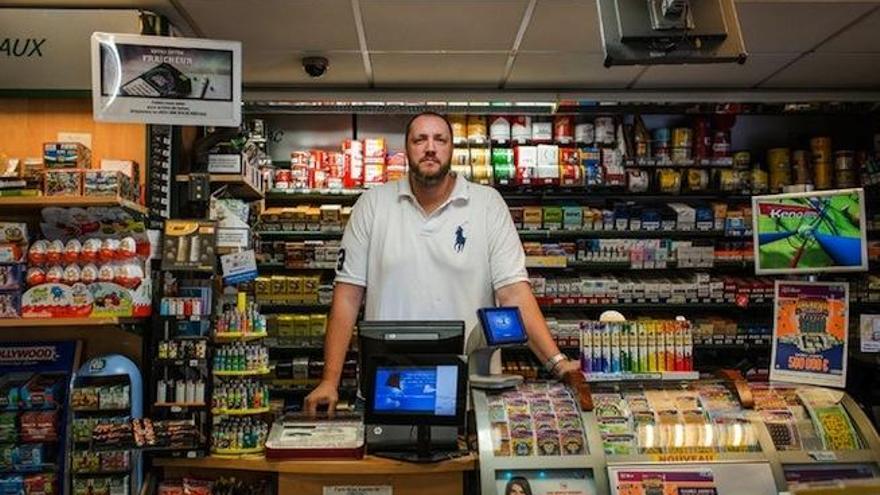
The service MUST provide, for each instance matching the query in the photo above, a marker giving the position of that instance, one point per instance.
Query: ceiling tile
(787, 27)
(757, 67)
(395, 25)
(567, 70)
(830, 70)
(459, 69)
(281, 67)
(564, 25)
(310, 25)
(862, 37)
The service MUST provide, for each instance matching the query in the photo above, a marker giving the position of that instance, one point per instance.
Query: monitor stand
(483, 378)
(423, 452)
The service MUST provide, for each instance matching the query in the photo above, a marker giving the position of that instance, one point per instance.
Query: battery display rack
(180, 384)
(106, 396)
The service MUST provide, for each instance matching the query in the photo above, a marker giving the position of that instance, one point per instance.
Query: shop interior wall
(27, 123)
(756, 133)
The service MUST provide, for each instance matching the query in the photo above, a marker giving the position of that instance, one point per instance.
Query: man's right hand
(324, 393)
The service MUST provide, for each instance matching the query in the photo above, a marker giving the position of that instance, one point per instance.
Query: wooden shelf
(238, 185)
(64, 322)
(28, 204)
(367, 465)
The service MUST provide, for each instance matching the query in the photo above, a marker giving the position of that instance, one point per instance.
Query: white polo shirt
(442, 266)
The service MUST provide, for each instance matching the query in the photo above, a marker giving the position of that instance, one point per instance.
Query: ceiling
(805, 45)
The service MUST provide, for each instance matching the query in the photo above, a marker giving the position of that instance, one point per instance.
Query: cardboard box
(553, 217)
(532, 218)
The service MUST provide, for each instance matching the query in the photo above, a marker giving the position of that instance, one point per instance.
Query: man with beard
(431, 246)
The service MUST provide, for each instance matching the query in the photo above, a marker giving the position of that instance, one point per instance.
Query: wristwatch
(551, 363)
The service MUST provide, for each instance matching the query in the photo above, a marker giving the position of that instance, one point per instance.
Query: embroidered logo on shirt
(340, 260)
(460, 239)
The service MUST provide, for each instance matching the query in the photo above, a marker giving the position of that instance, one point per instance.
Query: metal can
(820, 147)
(660, 143)
(779, 167)
(604, 128)
(800, 168)
(682, 141)
(845, 170)
(822, 178)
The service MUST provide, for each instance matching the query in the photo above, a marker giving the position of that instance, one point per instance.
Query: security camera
(315, 66)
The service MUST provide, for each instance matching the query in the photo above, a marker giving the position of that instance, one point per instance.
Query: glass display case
(640, 436)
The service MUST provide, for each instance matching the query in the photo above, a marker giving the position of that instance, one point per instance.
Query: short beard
(430, 180)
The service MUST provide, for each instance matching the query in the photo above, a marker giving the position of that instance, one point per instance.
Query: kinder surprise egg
(37, 253)
(72, 274)
(54, 274)
(35, 276)
(72, 251)
(105, 273)
(54, 250)
(108, 249)
(127, 248)
(129, 275)
(89, 273)
(90, 250)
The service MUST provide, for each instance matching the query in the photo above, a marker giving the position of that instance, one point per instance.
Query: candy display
(86, 271)
(109, 397)
(537, 419)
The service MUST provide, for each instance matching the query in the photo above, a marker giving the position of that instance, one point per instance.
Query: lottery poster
(810, 325)
(665, 483)
(546, 482)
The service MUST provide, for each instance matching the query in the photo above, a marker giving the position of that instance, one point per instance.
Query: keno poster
(159, 80)
(810, 326)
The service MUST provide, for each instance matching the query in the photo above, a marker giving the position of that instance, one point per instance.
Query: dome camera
(315, 66)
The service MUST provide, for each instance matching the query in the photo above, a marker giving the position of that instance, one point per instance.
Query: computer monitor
(428, 390)
(379, 338)
(502, 326)
(810, 232)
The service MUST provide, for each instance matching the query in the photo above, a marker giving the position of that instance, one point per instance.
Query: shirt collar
(461, 190)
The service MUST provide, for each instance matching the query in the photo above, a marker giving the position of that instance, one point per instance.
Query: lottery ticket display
(805, 418)
(536, 419)
(695, 417)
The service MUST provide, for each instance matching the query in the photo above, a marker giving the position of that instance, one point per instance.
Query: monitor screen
(502, 326)
(822, 231)
(416, 389)
(430, 390)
